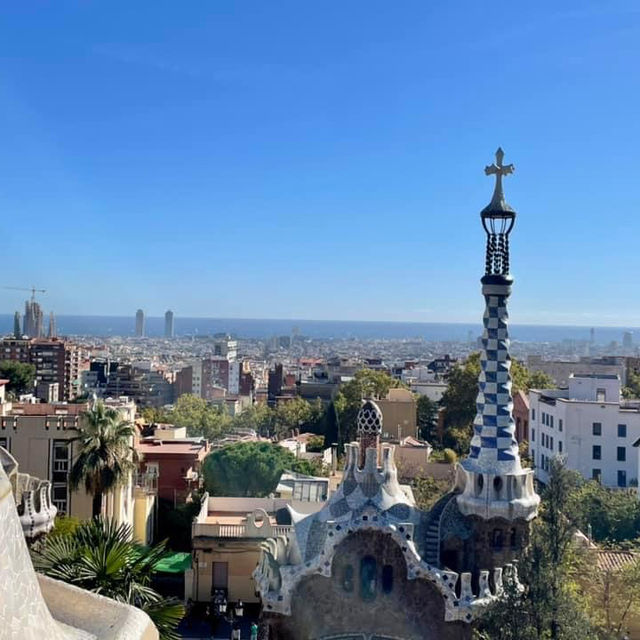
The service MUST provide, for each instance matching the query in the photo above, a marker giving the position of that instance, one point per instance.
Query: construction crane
(32, 289)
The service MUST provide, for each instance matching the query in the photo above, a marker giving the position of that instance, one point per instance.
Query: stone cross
(499, 170)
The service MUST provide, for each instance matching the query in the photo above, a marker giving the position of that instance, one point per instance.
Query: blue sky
(322, 160)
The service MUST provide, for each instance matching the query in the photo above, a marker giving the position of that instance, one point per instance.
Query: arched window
(387, 578)
(497, 539)
(513, 538)
(368, 578)
(347, 578)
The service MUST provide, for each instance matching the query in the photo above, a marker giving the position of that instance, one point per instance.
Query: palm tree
(106, 456)
(100, 556)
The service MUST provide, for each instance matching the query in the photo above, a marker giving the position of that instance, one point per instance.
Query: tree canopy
(250, 469)
(21, 376)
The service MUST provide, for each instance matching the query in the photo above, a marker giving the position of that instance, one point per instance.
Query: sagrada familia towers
(372, 566)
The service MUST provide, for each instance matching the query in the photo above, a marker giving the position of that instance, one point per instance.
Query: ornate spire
(498, 219)
(494, 460)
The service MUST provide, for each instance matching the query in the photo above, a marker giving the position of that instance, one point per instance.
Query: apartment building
(590, 426)
(56, 361)
(40, 438)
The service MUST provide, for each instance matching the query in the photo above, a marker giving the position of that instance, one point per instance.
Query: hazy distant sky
(319, 159)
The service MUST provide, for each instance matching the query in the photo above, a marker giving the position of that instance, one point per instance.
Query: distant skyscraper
(53, 332)
(627, 339)
(139, 323)
(17, 325)
(168, 324)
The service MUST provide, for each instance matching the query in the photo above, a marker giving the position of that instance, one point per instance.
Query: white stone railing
(216, 530)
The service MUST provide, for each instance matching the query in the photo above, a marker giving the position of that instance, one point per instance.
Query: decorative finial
(498, 202)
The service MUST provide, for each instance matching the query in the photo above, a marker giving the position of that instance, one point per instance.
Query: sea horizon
(124, 326)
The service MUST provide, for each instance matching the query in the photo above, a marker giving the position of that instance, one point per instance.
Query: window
(551, 444)
(533, 414)
(560, 425)
(601, 395)
(368, 570)
(533, 435)
(622, 431)
(597, 428)
(497, 539)
(596, 474)
(622, 454)
(4, 442)
(559, 446)
(59, 465)
(387, 578)
(551, 421)
(622, 478)
(596, 452)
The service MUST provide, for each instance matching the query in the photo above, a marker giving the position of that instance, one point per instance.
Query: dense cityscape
(393, 452)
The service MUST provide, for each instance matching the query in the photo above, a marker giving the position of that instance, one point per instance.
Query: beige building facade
(226, 538)
(399, 411)
(40, 437)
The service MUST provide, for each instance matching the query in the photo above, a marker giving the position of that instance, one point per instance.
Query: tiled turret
(491, 480)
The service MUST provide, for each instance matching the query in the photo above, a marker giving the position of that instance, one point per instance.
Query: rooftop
(46, 409)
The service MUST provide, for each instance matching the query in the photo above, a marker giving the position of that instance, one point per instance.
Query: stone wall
(368, 594)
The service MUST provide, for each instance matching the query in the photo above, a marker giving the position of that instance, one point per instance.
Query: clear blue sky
(308, 159)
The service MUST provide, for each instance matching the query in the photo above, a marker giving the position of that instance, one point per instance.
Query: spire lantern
(498, 218)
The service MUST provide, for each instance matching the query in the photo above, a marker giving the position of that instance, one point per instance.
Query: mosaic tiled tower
(491, 480)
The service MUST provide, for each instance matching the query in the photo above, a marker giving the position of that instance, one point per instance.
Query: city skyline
(317, 169)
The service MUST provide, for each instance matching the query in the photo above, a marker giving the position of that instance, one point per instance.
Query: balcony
(218, 530)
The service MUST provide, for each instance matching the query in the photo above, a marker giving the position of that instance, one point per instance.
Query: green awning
(177, 562)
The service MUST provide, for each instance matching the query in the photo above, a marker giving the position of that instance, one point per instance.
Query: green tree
(247, 469)
(21, 376)
(546, 607)
(459, 402)
(428, 490)
(613, 515)
(632, 389)
(427, 418)
(100, 556)
(292, 414)
(105, 456)
(315, 444)
(259, 417)
(199, 417)
(332, 433)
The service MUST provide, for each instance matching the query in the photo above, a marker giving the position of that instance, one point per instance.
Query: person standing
(254, 631)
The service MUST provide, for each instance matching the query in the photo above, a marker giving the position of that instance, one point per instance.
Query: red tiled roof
(615, 560)
(3, 382)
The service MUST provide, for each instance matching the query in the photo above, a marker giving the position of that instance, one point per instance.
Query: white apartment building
(590, 426)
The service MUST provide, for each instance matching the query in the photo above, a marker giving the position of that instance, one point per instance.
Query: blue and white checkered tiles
(494, 448)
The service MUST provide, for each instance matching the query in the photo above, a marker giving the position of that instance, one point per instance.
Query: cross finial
(498, 169)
